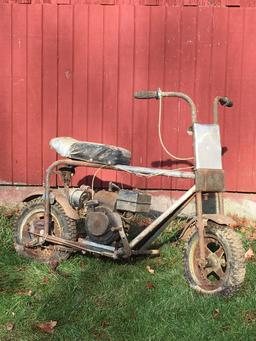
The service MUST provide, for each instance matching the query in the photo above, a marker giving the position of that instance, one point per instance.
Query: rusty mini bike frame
(206, 180)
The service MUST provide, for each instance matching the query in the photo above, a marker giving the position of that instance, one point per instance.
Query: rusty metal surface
(101, 225)
(60, 197)
(125, 242)
(220, 203)
(64, 202)
(157, 223)
(200, 228)
(209, 180)
(220, 219)
(81, 245)
(133, 201)
(106, 198)
(215, 260)
(47, 188)
(158, 94)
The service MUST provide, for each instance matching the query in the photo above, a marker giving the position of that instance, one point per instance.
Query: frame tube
(131, 169)
(163, 216)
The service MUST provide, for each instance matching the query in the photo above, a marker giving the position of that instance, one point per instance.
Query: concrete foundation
(240, 204)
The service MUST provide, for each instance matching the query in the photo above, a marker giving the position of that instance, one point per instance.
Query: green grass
(99, 299)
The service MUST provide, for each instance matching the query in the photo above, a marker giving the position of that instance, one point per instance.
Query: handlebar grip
(146, 94)
(226, 102)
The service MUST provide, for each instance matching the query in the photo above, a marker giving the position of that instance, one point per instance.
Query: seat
(90, 152)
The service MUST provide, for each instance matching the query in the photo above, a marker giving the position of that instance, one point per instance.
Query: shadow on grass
(99, 299)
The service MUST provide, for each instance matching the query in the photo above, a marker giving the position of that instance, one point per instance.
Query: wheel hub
(213, 261)
(211, 272)
(34, 229)
(36, 226)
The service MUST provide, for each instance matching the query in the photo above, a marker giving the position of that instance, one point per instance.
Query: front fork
(200, 226)
(201, 222)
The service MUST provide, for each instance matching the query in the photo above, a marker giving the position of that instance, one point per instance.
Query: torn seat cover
(90, 152)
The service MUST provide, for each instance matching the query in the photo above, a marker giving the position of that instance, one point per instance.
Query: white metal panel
(207, 146)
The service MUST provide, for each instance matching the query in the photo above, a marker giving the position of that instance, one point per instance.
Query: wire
(94, 176)
(160, 135)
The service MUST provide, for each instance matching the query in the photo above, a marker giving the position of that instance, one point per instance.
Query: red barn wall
(70, 69)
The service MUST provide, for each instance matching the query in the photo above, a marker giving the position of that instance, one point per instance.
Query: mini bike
(47, 226)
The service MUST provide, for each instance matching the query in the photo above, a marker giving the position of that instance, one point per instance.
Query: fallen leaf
(249, 254)
(150, 285)
(54, 264)
(23, 292)
(150, 270)
(46, 280)
(47, 327)
(250, 316)
(9, 326)
(215, 313)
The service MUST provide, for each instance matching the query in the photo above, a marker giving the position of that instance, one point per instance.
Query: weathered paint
(72, 69)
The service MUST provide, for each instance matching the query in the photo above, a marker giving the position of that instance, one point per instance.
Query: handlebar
(158, 94)
(224, 101)
(146, 94)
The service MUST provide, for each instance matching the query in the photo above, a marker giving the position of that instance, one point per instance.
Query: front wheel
(224, 271)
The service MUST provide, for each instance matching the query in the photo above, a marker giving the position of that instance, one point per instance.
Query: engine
(106, 211)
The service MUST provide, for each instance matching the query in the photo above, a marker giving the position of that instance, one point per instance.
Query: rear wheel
(225, 266)
(31, 219)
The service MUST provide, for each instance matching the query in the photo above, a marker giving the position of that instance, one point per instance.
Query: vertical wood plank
(233, 78)
(218, 69)
(187, 85)
(19, 59)
(95, 74)
(171, 83)
(246, 155)
(50, 83)
(139, 140)
(156, 77)
(6, 94)
(34, 90)
(80, 80)
(110, 81)
(203, 65)
(125, 89)
(65, 70)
